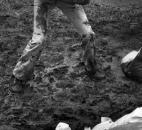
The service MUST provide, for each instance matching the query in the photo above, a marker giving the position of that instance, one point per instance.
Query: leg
(79, 19)
(25, 66)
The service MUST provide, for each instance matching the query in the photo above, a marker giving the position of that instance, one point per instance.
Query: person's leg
(25, 66)
(77, 16)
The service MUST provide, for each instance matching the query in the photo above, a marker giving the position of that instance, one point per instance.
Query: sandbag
(132, 121)
(131, 65)
(62, 126)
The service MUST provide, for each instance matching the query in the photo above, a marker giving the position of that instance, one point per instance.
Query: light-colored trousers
(32, 51)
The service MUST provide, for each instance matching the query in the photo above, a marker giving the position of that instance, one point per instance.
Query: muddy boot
(24, 70)
(22, 73)
(98, 75)
(90, 63)
(16, 85)
(89, 58)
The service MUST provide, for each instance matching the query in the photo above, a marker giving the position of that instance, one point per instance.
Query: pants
(32, 51)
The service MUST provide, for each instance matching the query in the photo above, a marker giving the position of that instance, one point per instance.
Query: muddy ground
(60, 90)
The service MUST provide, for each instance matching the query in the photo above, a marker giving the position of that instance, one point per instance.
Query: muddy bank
(61, 89)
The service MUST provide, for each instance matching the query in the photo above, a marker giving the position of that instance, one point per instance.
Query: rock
(87, 128)
(131, 65)
(62, 126)
(105, 125)
(129, 57)
(103, 119)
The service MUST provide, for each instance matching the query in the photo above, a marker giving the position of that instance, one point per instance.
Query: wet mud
(61, 89)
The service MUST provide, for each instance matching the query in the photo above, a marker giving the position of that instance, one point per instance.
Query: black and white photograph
(70, 64)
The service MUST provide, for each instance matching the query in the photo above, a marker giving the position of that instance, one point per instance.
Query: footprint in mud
(65, 84)
(73, 55)
(58, 71)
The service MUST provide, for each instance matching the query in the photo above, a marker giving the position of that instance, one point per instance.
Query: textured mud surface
(61, 89)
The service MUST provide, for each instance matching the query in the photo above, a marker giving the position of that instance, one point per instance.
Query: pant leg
(25, 66)
(78, 17)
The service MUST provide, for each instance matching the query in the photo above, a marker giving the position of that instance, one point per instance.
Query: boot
(90, 62)
(17, 85)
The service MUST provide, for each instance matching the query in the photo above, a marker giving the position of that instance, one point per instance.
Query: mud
(61, 89)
